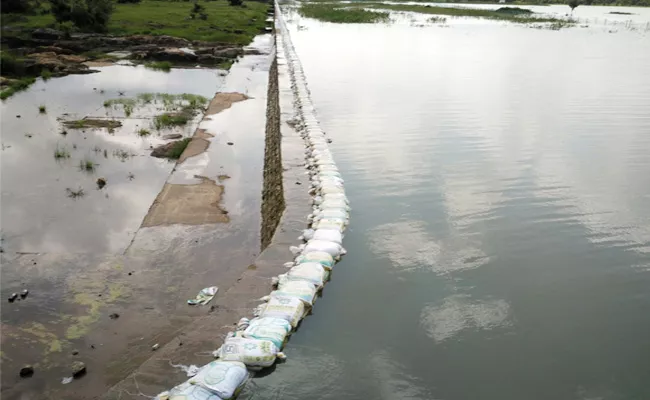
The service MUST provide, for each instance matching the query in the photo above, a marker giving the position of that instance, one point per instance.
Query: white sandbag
(335, 196)
(254, 353)
(187, 391)
(223, 378)
(334, 249)
(330, 189)
(330, 223)
(328, 235)
(301, 289)
(291, 309)
(307, 234)
(310, 272)
(334, 204)
(274, 329)
(321, 257)
(330, 213)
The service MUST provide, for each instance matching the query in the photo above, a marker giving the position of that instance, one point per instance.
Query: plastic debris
(189, 370)
(204, 296)
(66, 380)
(155, 347)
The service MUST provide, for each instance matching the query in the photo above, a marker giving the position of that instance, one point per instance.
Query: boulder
(47, 33)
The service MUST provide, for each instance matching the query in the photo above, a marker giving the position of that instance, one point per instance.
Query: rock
(78, 369)
(114, 316)
(229, 52)
(26, 371)
(24, 293)
(155, 347)
(172, 54)
(209, 59)
(75, 352)
(47, 33)
(13, 297)
(52, 49)
(230, 143)
(101, 182)
(173, 136)
(252, 52)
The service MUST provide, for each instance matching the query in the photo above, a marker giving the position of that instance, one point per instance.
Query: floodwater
(499, 245)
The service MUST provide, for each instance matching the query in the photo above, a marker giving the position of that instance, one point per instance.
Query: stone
(47, 33)
(24, 293)
(230, 143)
(172, 136)
(101, 182)
(172, 54)
(114, 316)
(26, 371)
(78, 369)
(13, 297)
(75, 352)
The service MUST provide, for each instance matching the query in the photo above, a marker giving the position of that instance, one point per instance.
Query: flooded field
(110, 241)
(499, 245)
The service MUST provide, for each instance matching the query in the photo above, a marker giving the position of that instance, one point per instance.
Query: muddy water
(499, 245)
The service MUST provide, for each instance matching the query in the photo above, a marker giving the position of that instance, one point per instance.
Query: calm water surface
(500, 238)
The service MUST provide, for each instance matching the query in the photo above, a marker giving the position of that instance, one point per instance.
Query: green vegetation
(46, 74)
(128, 105)
(168, 120)
(165, 66)
(16, 85)
(87, 165)
(178, 148)
(87, 15)
(61, 153)
(628, 3)
(335, 13)
(225, 24)
(507, 15)
(121, 154)
(42, 109)
(437, 20)
(92, 123)
(573, 4)
(144, 132)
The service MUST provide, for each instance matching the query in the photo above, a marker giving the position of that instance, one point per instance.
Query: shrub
(235, 2)
(128, 1)
(91, 15)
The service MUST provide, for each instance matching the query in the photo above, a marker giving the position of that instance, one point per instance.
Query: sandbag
(303, 290)
(321, 257)
(187, 391)
(255, 353)
(328, 235)
(222, 378)
(291, 309)
(333, 249)
(275, 330)
(311, 272)
(330, 223)
(331, 213)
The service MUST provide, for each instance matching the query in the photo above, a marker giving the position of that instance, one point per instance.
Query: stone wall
(272, 192)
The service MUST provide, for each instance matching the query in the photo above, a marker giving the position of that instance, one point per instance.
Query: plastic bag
(275, 330)
(303, 290)
(321, 257)
(311, 272)
(333, 249)
(328, 235)
(222, 378)
(254, 353)
(291, 309)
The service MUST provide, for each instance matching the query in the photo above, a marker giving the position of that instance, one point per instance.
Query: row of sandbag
(257, 343)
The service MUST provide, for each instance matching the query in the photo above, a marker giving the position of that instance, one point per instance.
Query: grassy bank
(335, 13)
(224, 23)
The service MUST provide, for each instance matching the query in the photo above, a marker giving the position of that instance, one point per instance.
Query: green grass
(86, 165)
(168, 120)
(42, 109)
(334, 13)
(46, 74)
(144, 132)
(464, 12)
(92, 123)
(16, 86)
(128, 105)
(61, 153)
(224, 23)
(178, 148)
(165, 66)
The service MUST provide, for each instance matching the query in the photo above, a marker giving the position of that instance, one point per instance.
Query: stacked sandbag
(218, 380)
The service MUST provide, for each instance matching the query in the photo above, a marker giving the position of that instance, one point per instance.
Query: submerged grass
(511, 14)
(335, 13)
(87, 165)
(165, 66)
(15, 86)
(178, 148)
(168, 120)
(61, 153)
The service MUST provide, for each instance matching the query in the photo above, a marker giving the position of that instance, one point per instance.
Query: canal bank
(203, 228)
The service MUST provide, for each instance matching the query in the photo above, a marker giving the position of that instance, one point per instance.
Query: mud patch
(198, 145)
(222, 101)
(187, 204)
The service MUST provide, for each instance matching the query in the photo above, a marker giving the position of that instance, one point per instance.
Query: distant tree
(128, 1)
(573, 4)
(235, 2)
(15, 6)
(87, 15)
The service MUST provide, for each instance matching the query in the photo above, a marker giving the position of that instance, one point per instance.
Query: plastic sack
(331, 213)
(300, 289)
(254, 353)
(187, 391)
(268, 328)
(290, 309)
(330, 223)
(333, 249)
(321, 257)
(328, 235)
(331, 189)
(222, 378)
(311, 272)
(342, 204)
